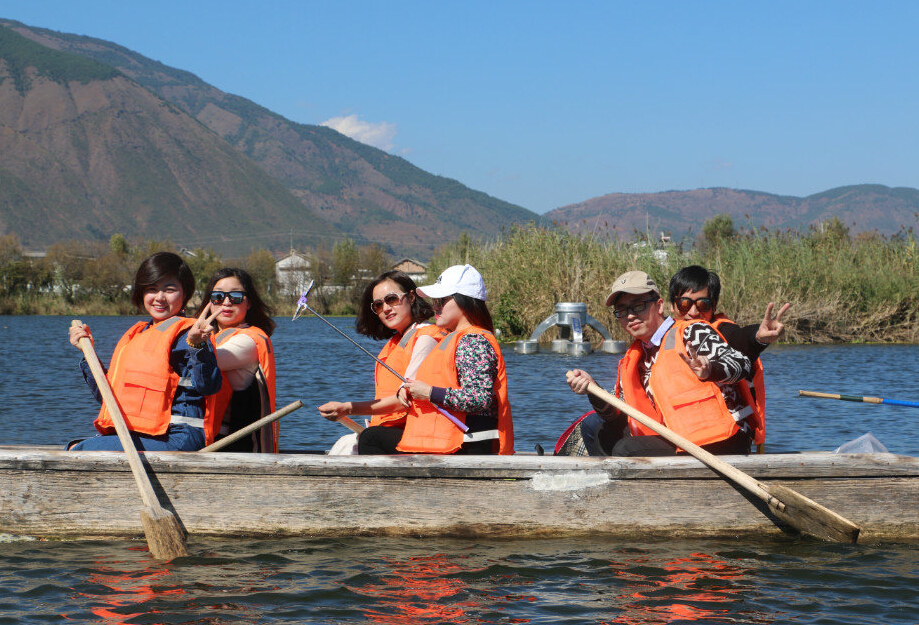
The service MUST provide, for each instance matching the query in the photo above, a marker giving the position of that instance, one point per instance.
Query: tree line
(95, 277)
(843, 287)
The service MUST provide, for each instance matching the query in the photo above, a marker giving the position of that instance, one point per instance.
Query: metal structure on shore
(571, 318)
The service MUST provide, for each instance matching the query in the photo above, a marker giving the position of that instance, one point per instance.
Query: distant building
(416, 270)
(293, 273)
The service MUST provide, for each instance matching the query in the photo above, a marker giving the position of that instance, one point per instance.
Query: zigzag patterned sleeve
(727, 364)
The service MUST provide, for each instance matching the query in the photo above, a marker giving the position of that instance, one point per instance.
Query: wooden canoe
(45, 492)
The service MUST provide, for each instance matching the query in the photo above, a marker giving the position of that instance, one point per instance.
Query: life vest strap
(195, 422)
(484, 435)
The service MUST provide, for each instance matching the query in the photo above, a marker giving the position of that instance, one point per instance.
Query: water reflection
(695, 587)
(399, 581)
(420, 589)
(113, 591)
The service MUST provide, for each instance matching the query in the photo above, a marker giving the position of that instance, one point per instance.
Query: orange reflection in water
(123, 589)
(690, 589)
(418, 590)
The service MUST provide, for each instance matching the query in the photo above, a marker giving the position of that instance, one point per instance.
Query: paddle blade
(164, 535)
(809, 517)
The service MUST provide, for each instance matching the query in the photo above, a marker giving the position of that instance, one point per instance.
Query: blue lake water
(384, 580)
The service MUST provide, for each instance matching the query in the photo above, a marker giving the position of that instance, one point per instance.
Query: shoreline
(545, 339)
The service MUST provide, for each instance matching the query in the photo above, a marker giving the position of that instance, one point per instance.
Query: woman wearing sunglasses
(162, 369)
(243, 327)
(389, 310)
(465, 375)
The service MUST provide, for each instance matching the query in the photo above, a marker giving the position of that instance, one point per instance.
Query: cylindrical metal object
(560, 346)
(579, 348)
(613, 347)
(526, 347)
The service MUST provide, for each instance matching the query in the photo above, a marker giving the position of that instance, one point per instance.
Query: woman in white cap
(463, 377)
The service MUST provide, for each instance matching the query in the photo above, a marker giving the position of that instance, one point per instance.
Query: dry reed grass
(842, 289)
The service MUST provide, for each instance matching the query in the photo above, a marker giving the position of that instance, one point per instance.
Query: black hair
(259, 313)
(694, 278)
(476, 311)
(158, 266)
(368, 322)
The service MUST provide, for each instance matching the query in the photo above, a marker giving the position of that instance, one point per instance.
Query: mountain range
(865, 207)
(102, 140)
(97, 139)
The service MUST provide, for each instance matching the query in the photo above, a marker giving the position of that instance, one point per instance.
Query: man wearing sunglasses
(679, 372)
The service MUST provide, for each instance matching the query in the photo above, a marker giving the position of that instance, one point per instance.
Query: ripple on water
(433, 581)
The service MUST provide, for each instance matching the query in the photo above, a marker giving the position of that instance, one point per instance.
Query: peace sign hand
(699, 364)
(202, 328)
(772, 328)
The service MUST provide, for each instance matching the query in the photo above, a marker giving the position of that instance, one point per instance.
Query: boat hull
(51, 493)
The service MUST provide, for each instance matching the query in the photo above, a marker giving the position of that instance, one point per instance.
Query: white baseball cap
(462, 279)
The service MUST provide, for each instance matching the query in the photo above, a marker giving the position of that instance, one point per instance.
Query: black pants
(617, 440)
(379, 439)
(245, 408)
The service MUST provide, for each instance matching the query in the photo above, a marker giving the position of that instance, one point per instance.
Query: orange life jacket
(397, 353)
(758, 420)
(687, 405)
(264, 377)
(141, 378)
(429, 431)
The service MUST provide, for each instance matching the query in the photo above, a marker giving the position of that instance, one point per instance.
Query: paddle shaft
(349, 423)
(707, 458)
(355, 343)
(462, 426)
(790, 506)
(242, 432)
(162, 547)
(860, 398)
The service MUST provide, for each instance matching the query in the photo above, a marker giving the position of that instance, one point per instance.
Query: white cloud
(379, 135)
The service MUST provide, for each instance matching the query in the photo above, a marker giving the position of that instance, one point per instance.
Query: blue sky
(549, 103)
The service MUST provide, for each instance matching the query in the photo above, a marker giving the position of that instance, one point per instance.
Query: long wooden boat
(45, 492)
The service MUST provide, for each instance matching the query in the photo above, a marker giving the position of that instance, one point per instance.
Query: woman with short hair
(162, 369)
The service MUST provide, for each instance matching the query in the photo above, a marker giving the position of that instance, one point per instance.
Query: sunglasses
(236, 297)
(703, 304)
(636, 309)
(390, 299)
(440, 302)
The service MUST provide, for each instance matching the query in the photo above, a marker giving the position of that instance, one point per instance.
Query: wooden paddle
(860, 398)
(240, 433)
(165, 537)
(349, 423)
(789, 506)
